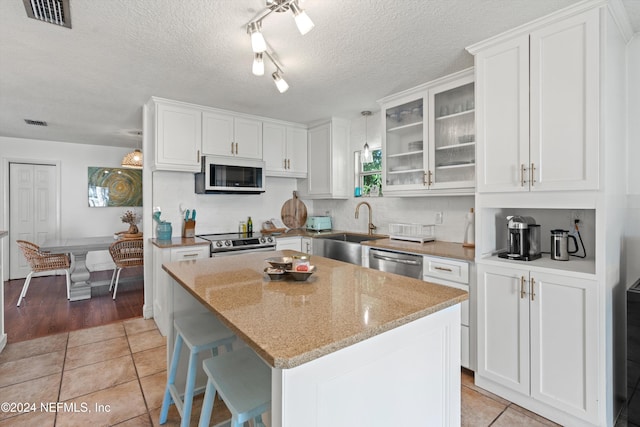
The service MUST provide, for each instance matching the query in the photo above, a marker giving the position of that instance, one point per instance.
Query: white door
(503, 326)
(564, 104)
(564, 344)
(217, 134)
(319, 155)
(297, 150)
(179, 135)
(274, 138)
(248, 136)
(502, 116)
(33, 199)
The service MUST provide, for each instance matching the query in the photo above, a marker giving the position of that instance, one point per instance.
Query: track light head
(258, 43)
(303, 22)
(258, 64)
(281, 84)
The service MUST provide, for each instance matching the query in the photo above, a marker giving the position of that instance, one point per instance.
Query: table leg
(80, 285)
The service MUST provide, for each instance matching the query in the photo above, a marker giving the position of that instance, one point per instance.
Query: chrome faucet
(371, 226)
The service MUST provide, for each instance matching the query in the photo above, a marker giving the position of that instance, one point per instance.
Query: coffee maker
(523, 241)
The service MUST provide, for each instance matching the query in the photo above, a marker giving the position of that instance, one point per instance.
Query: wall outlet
(576, 214)
(438, 218)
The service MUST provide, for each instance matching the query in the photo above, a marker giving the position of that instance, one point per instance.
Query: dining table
(78, 247)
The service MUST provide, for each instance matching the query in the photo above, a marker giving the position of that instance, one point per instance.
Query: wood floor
(46, 310)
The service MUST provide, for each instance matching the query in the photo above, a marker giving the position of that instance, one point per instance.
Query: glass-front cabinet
(429, 138)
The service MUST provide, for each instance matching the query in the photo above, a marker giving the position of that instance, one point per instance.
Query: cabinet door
(307, 245)
(452, 142)
(292, 243)
(217, 134)
(503, 326)
(248, 136)
(564, 343)
(178, 138)
(405, 145)
(564, 104)
(319, 155)
(274, 139)
(297, 151)
(502, 116)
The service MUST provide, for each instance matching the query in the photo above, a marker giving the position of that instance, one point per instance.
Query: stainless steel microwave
(230, 175)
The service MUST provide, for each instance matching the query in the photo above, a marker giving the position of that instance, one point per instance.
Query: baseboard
(147, 311)
(3, 342)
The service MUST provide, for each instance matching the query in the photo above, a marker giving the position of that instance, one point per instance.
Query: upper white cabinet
(177, 129)
(537, 103)
(328, 160)
(232, 136)
(428, 138)
(285, 150)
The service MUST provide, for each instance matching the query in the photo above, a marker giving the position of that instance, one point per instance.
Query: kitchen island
(351, 346)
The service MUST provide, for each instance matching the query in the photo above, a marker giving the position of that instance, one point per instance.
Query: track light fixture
(259, 44)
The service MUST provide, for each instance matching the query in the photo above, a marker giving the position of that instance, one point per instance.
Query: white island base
(409, 375)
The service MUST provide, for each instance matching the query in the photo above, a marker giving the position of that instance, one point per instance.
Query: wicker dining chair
(125, 253)
(42, 261)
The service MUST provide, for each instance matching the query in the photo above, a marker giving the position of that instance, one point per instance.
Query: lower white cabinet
(291, 243)
(161, 280)
(537, 341)
(455, 273)
(306, 245)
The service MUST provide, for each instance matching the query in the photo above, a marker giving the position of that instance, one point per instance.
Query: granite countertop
(435, 248)
(179, 242)
(290, 323)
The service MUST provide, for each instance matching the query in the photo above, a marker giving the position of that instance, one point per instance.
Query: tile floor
(115, 375)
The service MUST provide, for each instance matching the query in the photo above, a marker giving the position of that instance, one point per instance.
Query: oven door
(242, 251)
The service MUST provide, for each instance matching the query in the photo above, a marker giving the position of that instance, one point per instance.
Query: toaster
(319, 223)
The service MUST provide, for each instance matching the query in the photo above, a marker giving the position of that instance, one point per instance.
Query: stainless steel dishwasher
(409, 265)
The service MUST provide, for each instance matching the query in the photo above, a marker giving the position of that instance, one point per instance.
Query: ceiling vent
(51, 11)
(35, 122)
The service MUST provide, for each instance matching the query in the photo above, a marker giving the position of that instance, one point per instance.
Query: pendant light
(366, 156)
(133, 160)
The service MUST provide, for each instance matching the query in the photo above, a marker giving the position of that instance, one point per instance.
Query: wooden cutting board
(294, 212)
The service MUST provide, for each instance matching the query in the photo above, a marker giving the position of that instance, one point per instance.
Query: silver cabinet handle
(285, 163)
(189, 255)
(288, 163)
(443, 269)
(522, 175)
(232, 148)
(399, 261)
(522, 292)
(198, 156)
(236, 148)
(533, 292)
(531, 172)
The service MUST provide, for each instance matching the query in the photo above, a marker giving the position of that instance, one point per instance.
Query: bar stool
(243, 381)
(199, 332)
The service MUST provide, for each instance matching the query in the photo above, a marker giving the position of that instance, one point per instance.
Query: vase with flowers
(131, 218)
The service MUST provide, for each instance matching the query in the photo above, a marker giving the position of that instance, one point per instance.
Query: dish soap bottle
(249, 227)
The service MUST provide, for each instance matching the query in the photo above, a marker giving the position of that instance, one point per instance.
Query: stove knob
(270, 239)
(262, 240)
(219, 244)
(227, 242)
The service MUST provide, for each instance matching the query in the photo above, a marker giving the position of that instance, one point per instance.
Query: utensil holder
(164, 230)
(189, 228)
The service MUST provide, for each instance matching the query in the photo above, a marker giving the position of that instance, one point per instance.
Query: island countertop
(289, 323)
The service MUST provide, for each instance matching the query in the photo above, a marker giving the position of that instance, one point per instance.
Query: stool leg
(166, 402)
(188, 392)
(257, 421)
(207, 405)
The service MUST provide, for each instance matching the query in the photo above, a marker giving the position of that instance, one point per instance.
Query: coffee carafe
(560, 245)
(523, 240)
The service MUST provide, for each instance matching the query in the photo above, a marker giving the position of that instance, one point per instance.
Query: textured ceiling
(89, 82)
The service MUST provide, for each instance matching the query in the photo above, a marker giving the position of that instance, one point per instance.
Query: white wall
(388, 210)
(77, 219)
(632, 233)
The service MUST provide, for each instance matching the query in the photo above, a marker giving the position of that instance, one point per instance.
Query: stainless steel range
(235, 243)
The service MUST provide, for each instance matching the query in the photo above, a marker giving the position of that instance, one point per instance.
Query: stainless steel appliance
(318, 223)
(409, 265)
(523, 242)
(342, 247)
(230, 175)
(235, 243)
(560, 245)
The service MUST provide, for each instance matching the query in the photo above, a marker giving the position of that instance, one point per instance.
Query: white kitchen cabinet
(284, 150)
(456, 273)
(231, 136)
(328, 160)
(537, 114)
(537, 337)
(161, 280)
(306, 245)
(428, 138)
(291, 243)
(177, 134)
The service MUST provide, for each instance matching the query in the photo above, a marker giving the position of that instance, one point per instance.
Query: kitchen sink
(342, 247)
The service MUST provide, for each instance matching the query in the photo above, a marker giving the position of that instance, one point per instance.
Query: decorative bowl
(301, 276)
(275, 273)
(281, 262)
